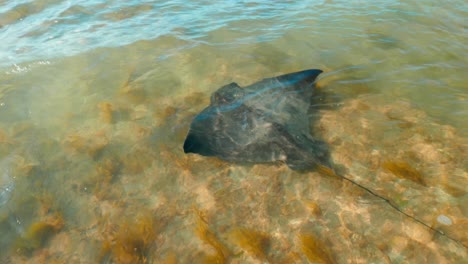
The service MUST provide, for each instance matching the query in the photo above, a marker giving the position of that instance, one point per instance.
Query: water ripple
(7, 185)
(47, 29)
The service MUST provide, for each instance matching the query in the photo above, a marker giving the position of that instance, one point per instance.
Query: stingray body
(266, 121)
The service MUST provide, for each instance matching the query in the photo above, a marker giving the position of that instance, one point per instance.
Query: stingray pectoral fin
(307, 76)
(302, 152)
(308, 155)
(297, 158)
(300, 162)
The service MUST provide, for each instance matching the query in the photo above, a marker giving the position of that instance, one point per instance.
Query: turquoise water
(96, 98)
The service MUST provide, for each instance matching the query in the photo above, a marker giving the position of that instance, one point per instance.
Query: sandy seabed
(119, 189)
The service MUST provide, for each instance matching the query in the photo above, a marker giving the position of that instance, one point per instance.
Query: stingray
(267, 121)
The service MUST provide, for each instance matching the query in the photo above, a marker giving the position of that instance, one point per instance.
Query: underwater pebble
(443, 219)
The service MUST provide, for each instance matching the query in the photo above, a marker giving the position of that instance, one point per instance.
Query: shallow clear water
(96, 99)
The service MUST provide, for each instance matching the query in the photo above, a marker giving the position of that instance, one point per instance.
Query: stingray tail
(328, 171)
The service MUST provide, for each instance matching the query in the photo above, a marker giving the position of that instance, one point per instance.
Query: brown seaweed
(91, 144)
(254, 242)
(315, 250)
(207, 236)
(403, 170)
(38, 234)
(106, 112)
(131, 240)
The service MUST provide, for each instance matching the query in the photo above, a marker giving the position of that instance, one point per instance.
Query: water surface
(96, 98)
